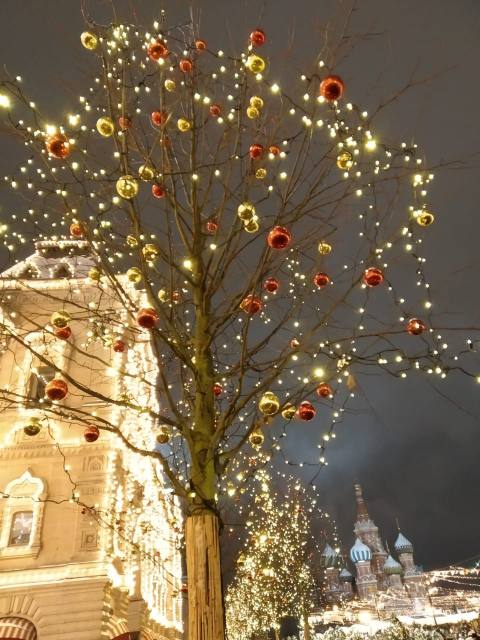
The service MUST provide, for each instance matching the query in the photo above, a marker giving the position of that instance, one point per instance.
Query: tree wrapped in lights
(252, 235)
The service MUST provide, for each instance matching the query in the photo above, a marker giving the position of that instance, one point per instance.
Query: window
(38, 380)
(21, 528)
(63, 272)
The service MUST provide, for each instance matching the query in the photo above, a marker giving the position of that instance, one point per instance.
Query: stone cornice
(45, 450)
(53, 574)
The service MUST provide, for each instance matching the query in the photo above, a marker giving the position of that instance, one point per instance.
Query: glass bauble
(127, 187)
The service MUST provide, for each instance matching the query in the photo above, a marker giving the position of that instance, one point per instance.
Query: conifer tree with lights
(248, 226)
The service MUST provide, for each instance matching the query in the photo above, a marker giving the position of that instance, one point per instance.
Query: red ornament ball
(185, 65)
(91, 433)
(215, 110)
(157, 50)
(212, 226)
(56, 389)
(251, 305)
(58, 146)
(76, 230)
(124, 122)
(175, 296)
(217, 389)
(324, 390)
(332, 88)
(373, 277)
(200, 45)
(294, 343)
(119, 346)
(63, 333)
(271, 285)
(306, 411)
(158, 118)
(158, 191)
(279, 238)
(147, 318)
(415, 326)
(321, 279)
(257, 38)
(255, 151)
(274, 150)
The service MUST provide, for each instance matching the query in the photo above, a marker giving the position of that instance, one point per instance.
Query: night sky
(413, 446)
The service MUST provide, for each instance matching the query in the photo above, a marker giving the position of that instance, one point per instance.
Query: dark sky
(414, 450)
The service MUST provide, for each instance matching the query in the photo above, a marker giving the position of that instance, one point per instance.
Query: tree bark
(306, 626)
(205, 602)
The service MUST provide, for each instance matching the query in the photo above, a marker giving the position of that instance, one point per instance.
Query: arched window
(62, 271)
(17, 628)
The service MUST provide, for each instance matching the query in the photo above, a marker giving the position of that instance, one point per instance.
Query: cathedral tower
(361, 556)
(414, 579)
(367, 531)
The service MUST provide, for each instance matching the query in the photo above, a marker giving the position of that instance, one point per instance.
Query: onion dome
(360, 552)
(329, 556)
(402, 545)
(345, 575)
(392, 567)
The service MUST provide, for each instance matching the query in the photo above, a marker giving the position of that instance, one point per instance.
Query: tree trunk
(205, 602)
(306, 626)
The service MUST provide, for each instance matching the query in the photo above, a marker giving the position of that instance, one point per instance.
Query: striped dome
(392, 567)
(403, 545)
(360, 551)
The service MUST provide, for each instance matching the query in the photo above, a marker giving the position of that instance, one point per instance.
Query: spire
(362, 513)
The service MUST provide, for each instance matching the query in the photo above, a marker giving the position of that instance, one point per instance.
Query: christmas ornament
(332, 88)
(212, 226)
(150, 252)
(200, 45)
(158, 191)
(324, 248)
(217, 389)
(306, 411)
(134, 274)
(246, 211)
(164, 434)
(215, 110)
(424, 218)
(251, 304)
(415, 326)
(252, 113)
(89, 40)
(261, 173)
(158, 118)
(274, 150)
(58, 146)
(324, 390)
(373, 277)
(269, 404)
(56, 389)
(105, 126)
(279, 238)
(32, 428)
(147, 318)
(255, 151)
(256, 102)
(183, 125)
(60, 319)
(63, 333)
(119, 346)
(157, 50)
(170, 85)
(132, 241)
(185, 65)
(294, 343)
(91, 433)
(251, 226)
(257, 38)
(76, 230)
(255, 64)
(321, 279)
(256, 438)
(127, 187)
(271, 285)
(146, 172)
(124, 122)
(95, 274)
(288, 411)
(345, 160)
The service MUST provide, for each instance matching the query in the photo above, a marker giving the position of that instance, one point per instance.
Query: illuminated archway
(15, 628)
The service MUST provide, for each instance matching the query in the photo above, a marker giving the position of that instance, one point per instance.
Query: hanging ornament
(89, 40)
(215, 110)
(251, 305)
(306, 411)
(63, 333)
(294, 343)
(56, 389)
(345, 160)
(164, 434)
(105, 126)
(94, 274)
(119, 346)
(127, 187)
(32, 428)
(183, 125)
(132, 241)
(170, 85)
(150, 252)
(321, 279)
(423, 217)
(324, 390)
(274, 150)
(158, 118)
(324, 248)
(200, 45)
(185, 65)
(91, 433)
(134, 275)
(211, 226)
(124, 122)
(246, 211)
(251, 226)
(332, 88)
(157, 50)
(269, 404)
(217, 389)
(256, 102)
(261, 173)
(279, 238)
(58, 146)
(289, 411)
(257, 38)
(255, 64)
(373, 277)
(77, 230)
(256, 438)
(60, 319)
(415, 326)
(271, 284)
(255, 151)
(147, 318)
(158, 191)
(146, 172)
(252, 113)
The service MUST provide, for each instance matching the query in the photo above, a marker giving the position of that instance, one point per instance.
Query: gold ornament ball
(89, 40)
(256, 102)
(288, 412)
(252, 113)
(345, 160)
(324, 248)
(261, 173)
(246, 211)
(95, 274)
(424, 218)
(146, 172)
(162, 295)
(251, 226)
(60, 319)
(170, 85)
(255, 64)
(150, 252)
(256, 438)
(269, 404)
(183, 124)
(105, 126)
(127, 187)
(132, 241)
(163, 435)
(134, 274)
